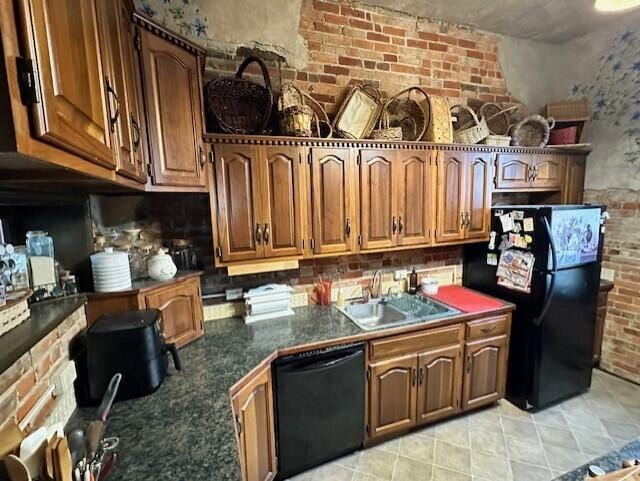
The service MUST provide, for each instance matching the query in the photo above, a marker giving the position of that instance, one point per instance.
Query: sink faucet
(376, 284)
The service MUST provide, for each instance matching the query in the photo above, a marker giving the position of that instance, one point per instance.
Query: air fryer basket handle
(173, 350)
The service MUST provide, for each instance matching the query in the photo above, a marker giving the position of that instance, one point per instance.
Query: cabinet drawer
(487, 327)
(414, 342)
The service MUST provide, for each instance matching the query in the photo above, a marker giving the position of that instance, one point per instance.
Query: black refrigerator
(553, 328)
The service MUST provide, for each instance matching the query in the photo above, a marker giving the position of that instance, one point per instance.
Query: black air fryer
(129, 343)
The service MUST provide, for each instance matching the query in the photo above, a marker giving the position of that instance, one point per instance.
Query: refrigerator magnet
(527, 223)
(507, 222)
(492, 259)
(492, 240)
(498, 212)
(528, 239)
(517, 214)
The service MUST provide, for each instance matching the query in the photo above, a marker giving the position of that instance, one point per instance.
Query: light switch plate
(400, 274)
(607, 274)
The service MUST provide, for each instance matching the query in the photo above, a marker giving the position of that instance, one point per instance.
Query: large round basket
(498, 118)
(532, 131)
(238, 106)
(407, 113)
(473, 134)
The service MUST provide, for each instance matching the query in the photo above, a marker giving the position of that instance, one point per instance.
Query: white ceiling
(553, 21)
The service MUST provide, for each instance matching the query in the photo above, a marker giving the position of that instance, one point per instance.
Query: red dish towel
(465, 300)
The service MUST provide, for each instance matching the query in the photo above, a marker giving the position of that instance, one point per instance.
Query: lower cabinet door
(392, 395)
(484, 371)
(254, 426)
(439, 383)
(181, 310)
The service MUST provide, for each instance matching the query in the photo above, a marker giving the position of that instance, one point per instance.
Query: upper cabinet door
(255, 427)
(76, 102)
(171, 83)
(478, 196)
(378, 216)
(548, 172)
(451, 197)
(118, 27)
(392, 402)
(239, 202)
(282, 207)
(513, 171)
(573, 185)
(331, 197)
(415, 197)
(439, 383)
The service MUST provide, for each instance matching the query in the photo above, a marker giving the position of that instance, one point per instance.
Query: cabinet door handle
(265, 233)
(414, 376)
(113, 118)
(203, 158)
(467, 219)
(488, 329)
(421, 378)
(469, 362)
(135, 131)
(462, 220)
(400, 225)
(347, 227)
(394, 225)
(238, 425)
(258, 234)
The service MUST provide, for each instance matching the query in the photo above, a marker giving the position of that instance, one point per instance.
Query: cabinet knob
(347, 227)
(258, 234)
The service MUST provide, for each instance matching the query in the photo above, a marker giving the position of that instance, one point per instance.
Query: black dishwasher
(319, 406)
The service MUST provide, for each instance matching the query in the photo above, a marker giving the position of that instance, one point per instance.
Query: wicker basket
(297, 117)
(408, 114)
(564, 110)
(15, 311)
(384, 132)
(497, 140)
(440, 128)
(474, 133)
(358, 113)
(238, 106)
(532, 131)
(498, 118)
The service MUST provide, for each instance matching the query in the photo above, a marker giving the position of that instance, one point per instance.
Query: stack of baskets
(298, 118)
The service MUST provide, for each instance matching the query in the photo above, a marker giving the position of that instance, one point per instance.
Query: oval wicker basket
(474, 133)
(498, 118)
(408, 114)
(238, 106)
(532, 131)
(297, 118)
(384, 132)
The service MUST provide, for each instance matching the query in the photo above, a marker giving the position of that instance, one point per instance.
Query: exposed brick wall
(621, 344)
(389, 50)
(24, 382)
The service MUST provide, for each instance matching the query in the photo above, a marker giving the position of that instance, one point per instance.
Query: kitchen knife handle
(173, 350)
(258, 234)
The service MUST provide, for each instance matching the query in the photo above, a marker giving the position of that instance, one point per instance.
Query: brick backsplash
(354, 45)
(621, 343)
(46, 364)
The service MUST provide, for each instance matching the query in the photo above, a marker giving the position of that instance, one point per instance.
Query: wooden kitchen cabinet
(464, 196)
(485, 369)
(126, 131)
(171, 82)
(439, 383)
(332, 200)
(259, 201)
(179, 301)
(573, 185)
(415, 197)
(529, 172)
(393, 396)
(74, 102)
(252, 406)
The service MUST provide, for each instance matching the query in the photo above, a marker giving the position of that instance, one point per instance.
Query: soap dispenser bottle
(413, 281)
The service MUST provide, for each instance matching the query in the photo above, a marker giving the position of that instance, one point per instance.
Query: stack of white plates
(111, 271)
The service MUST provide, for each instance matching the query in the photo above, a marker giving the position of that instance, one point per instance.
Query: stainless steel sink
(397, 311)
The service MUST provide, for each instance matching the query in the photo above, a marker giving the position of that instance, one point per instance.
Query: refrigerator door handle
(554, 255)
(554, 268)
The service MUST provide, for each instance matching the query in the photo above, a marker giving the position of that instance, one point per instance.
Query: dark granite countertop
(45, 317)
(609, 462)
(184, 431)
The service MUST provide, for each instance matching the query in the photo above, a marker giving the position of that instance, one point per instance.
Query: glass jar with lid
(39, 244)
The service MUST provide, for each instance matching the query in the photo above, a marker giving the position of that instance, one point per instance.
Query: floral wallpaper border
(181, 16)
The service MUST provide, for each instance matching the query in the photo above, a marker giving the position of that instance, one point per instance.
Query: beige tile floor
(501, 442)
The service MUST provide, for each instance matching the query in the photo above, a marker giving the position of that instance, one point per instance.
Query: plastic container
(39, 244)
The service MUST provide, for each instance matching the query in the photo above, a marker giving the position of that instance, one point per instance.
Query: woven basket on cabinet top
(408, 114)
(532, 131)
(473, 134)
(238, 106)
(440, 128)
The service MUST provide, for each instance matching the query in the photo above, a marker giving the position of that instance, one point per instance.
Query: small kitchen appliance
(129, 343)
